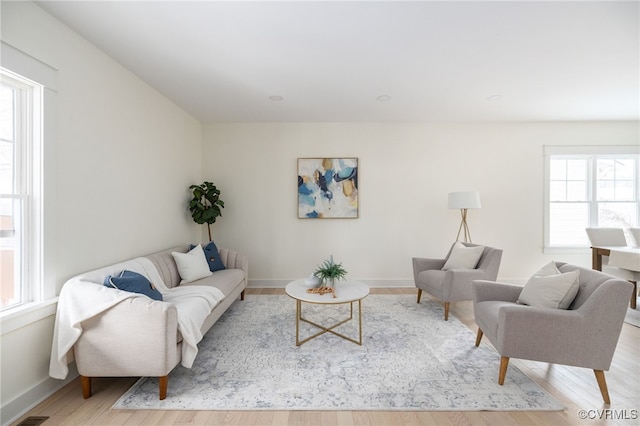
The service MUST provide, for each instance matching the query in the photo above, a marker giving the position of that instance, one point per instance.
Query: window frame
(27, 189)
(591, 154)
(36, 70)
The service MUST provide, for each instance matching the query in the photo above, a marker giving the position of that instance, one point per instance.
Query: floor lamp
(463, 201)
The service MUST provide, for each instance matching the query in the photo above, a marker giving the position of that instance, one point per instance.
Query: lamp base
(464, 227)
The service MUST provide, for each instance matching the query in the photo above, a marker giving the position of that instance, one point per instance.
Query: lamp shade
(464, 200)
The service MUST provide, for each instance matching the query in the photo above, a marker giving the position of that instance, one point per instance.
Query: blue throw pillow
(133, 282)
(212, 254)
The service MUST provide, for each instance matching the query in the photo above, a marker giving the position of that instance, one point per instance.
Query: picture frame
(328, 188)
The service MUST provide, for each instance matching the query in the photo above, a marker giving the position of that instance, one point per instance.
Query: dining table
(623, 257)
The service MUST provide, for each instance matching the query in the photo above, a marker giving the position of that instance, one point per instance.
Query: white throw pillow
(554, 291)
(192, 265)
(548, 269)
(463, 257)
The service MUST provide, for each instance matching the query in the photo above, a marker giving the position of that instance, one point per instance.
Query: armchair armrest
(491, 290)
(136, 337)
(550, 335)
(422, 264)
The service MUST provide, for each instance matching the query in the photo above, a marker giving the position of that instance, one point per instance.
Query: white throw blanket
(84, 297)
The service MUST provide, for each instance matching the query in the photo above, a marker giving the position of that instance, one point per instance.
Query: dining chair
(635, 234)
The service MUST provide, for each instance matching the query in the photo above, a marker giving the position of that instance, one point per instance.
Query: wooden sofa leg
(419, 294)
(504, 363)
(164, 382)
(446, 311)
(634, 295)
(479, 337)
(602, 383)
(242, 295)
(86, 386)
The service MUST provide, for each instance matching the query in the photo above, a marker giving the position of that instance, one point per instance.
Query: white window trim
(26, 65)
(599, 150)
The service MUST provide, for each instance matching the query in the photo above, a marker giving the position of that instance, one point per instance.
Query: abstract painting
(327, 188)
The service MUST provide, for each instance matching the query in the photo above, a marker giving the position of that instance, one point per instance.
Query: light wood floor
(575, 387)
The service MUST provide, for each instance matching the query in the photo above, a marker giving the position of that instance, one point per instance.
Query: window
(589, 187)
(20, 190)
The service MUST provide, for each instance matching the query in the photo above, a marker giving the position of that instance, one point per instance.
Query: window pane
(558, 191)
(617, 215)
(616, 179)
(625, 169)
(576, 191)
(606, 168)
(625, 190)
(577, 169)
(7, 167)
(567, 224)
(558, 169)
(7, 121)
(9, 252)
(605, 190)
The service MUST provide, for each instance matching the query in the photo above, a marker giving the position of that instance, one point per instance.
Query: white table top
(346, 291)
(625, 258)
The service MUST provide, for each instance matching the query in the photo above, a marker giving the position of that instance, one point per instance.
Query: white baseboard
(396, 283)
(12, 410)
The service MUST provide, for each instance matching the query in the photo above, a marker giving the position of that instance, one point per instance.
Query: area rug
(632, 317)
(411, 359)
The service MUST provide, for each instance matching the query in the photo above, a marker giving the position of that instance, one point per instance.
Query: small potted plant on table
(329, 272)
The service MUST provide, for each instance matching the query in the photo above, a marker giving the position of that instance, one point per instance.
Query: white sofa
(114, 333)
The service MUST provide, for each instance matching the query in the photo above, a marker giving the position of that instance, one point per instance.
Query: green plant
(329, 270)
(206, 205)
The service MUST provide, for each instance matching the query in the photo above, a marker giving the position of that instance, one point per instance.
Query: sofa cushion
(192, 265)
(463, 257)
(134, 283)
(555, 291)
(212, 254)
(226, 280)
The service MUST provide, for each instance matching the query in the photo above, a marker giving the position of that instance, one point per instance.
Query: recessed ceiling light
(275, 98)
(494, 98)
(383, 98)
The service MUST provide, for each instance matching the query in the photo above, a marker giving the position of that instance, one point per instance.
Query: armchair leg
(86, 386)
(634, 295)
(602, 383)
(419, 294)
(242, 295)
(164, 381)
(479, 337)
(446, 311)
(504, 363)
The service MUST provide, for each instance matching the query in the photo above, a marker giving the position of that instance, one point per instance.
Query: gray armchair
(454, 285)
(585, 335)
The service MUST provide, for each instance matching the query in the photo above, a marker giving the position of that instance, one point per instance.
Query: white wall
(116, 181)
(124, 157)
(406, 171)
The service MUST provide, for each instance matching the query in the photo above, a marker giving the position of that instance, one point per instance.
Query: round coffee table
(345, 292)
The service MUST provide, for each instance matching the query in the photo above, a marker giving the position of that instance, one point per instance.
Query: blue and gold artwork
(327, 188)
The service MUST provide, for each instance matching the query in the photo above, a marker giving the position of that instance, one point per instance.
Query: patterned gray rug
(411, 359)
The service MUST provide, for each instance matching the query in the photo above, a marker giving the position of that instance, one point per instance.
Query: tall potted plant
(206, 205)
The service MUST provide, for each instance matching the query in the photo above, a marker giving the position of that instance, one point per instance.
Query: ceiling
(366, 61)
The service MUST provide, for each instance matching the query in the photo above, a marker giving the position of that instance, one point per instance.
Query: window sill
(29, 313)
(567, 250)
